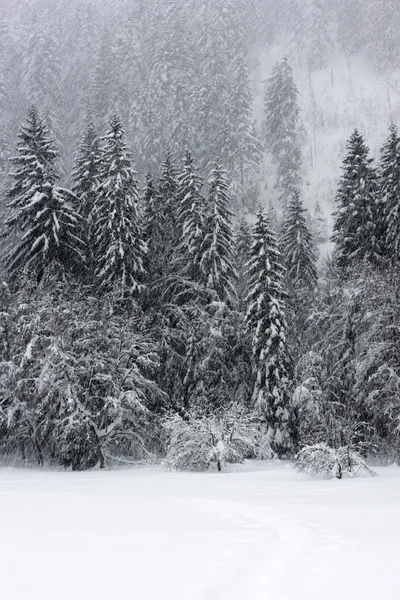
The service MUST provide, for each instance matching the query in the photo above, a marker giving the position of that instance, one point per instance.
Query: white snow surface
(255, 532)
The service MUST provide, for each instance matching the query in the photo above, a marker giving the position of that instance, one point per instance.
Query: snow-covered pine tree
(43, 228)
(161, 222)
(86, 171)
(217, 271)
(85, 178)
(119, 248)
(389, 191)
(282, 127)
(356, 231)
(266, 322)
(191, 219)
(298, 246)
(298, 249)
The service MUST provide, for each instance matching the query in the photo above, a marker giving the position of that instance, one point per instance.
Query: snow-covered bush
(199, 441)
(320, 459)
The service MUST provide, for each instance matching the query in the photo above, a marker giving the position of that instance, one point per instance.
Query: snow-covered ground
(257, 532)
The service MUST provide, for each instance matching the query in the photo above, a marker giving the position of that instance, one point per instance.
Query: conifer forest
(200, 233)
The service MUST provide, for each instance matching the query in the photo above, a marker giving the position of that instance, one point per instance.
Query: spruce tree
(298, 246)
(389, 190)
(191, 218)
(85, 178)
(86, 171)
(43, 228)
(356, 230)
(217, 272)
(119, 248)
(165, 237)
(282, 127)
(266, 322)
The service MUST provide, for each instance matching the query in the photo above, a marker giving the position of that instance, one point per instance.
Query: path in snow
(261, 533)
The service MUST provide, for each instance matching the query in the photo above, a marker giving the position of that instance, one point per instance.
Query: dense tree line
(134, 318)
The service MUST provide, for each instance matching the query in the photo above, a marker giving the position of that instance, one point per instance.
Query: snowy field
(261, 532)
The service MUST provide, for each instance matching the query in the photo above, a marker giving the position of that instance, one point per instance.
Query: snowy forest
(200, 231)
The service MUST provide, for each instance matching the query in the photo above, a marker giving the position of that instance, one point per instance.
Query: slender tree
(355, 230)
(282, 127)
(85, 178)
(217, 272)
(266, 321)
(389, 191)
(298, 246)
(119, 245)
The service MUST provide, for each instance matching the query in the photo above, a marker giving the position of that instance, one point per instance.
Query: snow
(255, 532)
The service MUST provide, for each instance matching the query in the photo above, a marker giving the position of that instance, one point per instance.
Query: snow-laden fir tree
(217, 271)
(389, 191)
(356, 227)
(86, 171)
(191, 219)
(43, 227)
(85, 177)
(282, 127)
(298, 246)
(119, 248)
(266, 322)
(161, 222)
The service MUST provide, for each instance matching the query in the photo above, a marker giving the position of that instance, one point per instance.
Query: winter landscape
(199, 299)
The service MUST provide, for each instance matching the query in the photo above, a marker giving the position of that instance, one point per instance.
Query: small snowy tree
(320, 459)
(198, 441)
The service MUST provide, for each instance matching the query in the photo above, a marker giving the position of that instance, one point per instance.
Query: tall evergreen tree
(43, 227)
(355, 230)
(298, 246)
(266, 321)
(119, 245)
(86, 171)
(191, 218)
(282, 127)
(217, 272)
(85, 183)
(389, 191)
